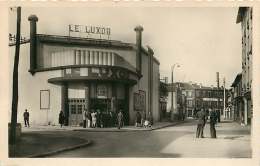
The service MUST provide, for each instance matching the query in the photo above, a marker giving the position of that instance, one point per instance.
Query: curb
(88, 142)
(173, 124)
(114, 130)
(130, 130)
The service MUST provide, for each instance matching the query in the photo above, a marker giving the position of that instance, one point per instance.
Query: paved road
(177, 141)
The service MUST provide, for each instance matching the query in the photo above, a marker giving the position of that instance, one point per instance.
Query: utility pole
(15, 80)
(218, 107)
(224, 100)
(173, 87)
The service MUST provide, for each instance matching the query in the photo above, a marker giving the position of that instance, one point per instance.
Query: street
(177, 141)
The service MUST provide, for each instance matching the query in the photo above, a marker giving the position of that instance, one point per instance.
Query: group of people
(141, 121)
(202, 116)
(96, 118)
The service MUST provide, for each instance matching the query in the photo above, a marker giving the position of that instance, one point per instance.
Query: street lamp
(172, 70)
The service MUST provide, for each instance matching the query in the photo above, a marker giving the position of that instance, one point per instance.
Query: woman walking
(94, 119)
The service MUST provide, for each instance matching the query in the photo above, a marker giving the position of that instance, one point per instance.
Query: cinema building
(72, 74)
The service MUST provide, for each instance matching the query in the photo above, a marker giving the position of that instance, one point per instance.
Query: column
(127, 118)
(33, 45)
(83, 57)
(114, 96)
(87, 96)
(65, 102)
(87, 58)
(245, 110)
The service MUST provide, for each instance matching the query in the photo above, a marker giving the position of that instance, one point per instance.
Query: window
(189, 94)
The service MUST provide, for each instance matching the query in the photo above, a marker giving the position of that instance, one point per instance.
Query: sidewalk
(33, 144)
(233, 141)
(156, 126)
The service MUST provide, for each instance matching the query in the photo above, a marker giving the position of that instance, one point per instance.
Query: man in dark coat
(213, 120)
(201, 121)
(26, 118)
(61, 118)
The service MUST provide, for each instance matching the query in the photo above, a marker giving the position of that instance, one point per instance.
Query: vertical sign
(44, 99)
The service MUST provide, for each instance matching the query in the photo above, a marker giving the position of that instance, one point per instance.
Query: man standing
(201, 121)
(213, 120)
(26, 118)
(120, 119)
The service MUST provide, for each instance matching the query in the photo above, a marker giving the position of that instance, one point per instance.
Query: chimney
(139, 29)
(33, 48)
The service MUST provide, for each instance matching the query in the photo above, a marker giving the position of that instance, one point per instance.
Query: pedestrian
(94, 119)
(205, 121)
(111, 119)
(99, 119)
(120, 117)
(138, 119)
(61, 118)
(201, 119)
(218, 116)
(89, 119)
(213, 120)
(84, 117)
(26, 118)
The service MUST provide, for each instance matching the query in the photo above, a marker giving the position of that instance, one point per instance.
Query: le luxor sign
(89, 30)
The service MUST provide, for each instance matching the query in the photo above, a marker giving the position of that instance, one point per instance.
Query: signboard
(139, 101)
(212, 99)
(44, 99)
(89, 31)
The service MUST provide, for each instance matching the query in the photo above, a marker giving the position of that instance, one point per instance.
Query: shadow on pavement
(37, 143)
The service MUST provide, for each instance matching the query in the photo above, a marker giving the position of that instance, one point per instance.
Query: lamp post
(172, 70)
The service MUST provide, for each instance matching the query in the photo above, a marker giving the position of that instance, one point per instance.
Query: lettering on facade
(89, 31)
(99, 72)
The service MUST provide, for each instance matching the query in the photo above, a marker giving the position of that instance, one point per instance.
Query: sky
(202, 40)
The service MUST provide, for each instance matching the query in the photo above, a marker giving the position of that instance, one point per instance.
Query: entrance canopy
(96, 74)
(62, 80)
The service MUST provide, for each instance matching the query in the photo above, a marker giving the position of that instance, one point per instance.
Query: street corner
(45, 143)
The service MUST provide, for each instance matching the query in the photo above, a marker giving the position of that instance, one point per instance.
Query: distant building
(237, 99)
(245, 18)
(229, 111)
(209, 97)
(163, 100)
(188, 98)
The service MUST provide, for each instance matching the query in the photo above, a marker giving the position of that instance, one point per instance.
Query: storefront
(73, 74)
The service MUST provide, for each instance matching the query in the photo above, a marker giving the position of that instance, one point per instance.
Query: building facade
(237, 99)
(72, 74)
(163, 100)
(245, 18)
